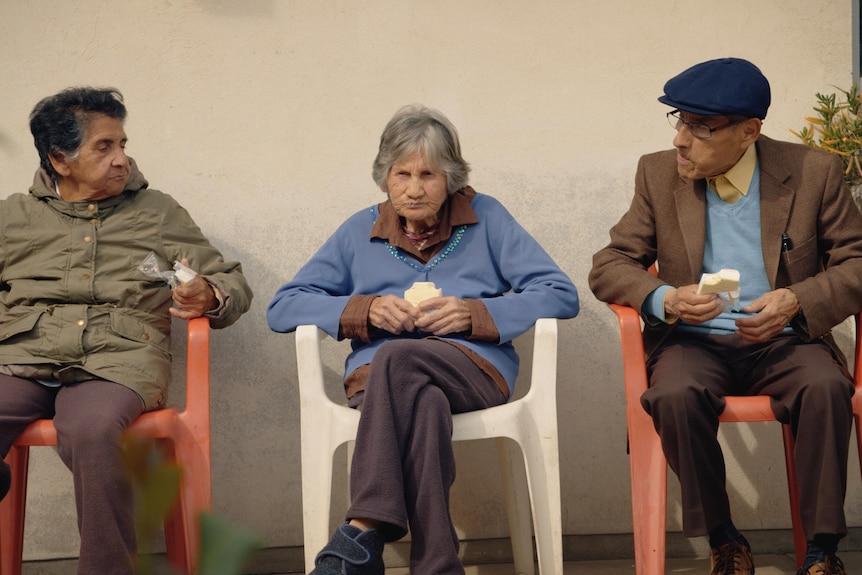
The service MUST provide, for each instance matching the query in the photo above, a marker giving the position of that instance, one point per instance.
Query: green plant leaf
(837, 128)
(156, 480)
(225, 548)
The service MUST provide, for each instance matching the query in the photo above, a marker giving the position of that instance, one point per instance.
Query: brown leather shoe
(732, 558)
(832, 566)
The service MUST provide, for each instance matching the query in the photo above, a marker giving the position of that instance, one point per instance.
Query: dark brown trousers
(810, 389)
(403, 462)
(90, 418)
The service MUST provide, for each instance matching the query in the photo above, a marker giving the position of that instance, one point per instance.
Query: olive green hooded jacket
(74, 303)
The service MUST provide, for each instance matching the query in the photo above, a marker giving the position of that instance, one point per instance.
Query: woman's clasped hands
(436, 315)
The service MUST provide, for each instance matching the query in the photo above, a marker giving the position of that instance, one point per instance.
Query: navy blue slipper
(351, 551)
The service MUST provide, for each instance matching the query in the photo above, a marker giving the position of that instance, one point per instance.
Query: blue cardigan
(496, 261)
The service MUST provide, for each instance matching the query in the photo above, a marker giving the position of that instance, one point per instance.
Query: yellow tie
(725, 190)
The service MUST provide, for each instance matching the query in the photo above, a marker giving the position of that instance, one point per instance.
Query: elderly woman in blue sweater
(419, 354)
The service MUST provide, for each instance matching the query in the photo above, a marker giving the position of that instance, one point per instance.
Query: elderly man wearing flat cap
(779, 213)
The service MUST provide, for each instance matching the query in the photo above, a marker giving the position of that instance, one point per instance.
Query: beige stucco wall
(262, 118)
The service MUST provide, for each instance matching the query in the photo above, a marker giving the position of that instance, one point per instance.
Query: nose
(415, 188)
(120, 158)
(683, 137)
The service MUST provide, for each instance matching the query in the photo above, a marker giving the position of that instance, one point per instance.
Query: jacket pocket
(10, 327)
(139, 331)
(802, 261)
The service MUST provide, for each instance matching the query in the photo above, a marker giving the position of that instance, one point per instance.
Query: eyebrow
(109, 141)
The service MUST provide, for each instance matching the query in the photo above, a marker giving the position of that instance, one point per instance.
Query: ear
(751, 129)
(60, 163)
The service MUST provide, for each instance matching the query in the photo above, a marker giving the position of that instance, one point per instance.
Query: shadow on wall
(230, 8)
(255, 402)
(5, 141)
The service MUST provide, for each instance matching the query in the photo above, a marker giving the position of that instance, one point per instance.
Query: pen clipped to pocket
(784, 278)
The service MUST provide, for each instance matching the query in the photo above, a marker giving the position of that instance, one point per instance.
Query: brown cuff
(222, 298)
(484, 328)
(354, 319)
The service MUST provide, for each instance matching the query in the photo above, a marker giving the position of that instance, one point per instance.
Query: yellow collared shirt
(734, 183)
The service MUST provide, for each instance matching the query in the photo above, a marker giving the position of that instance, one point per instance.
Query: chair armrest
(308, 364)
(197, 410)
(634, 361)
(545, 354)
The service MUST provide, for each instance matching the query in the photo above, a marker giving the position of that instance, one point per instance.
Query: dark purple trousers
(810, 389)
(403, 463)
(90, 418)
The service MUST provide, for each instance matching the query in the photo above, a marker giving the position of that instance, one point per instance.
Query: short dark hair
(59, 122)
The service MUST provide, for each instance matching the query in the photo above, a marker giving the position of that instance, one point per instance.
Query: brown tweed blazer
(803, 194)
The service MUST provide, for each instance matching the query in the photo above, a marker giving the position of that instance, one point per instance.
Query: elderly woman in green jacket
(84, 320)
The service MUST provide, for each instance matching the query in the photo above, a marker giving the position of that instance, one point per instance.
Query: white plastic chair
(530, 421)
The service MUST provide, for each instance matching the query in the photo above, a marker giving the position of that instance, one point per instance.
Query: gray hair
(417, 128)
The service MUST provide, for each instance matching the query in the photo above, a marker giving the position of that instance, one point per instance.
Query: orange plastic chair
(649, 466)
(183, 434)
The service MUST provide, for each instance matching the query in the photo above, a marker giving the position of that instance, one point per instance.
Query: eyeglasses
(700, 131)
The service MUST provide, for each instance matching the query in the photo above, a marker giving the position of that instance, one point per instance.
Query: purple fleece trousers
(90, 418)
(403, 462)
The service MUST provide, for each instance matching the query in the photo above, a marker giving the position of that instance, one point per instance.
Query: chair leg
(175, 541)
(12, 510)
(542, 460)
(649, 494)
(182, 525)
(317, 465)
(857, 418)
(514, 478)
(799, 543)
(350, 448)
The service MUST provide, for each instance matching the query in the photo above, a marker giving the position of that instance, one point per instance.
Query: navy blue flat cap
(723, 87)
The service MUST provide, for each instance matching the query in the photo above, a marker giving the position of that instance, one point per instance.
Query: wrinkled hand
(444, 315)
(193, 299)
(393, 314)
(773, 310)
(686, 304)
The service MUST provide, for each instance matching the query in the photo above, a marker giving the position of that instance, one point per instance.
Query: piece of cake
(725, 280)
(183, 274)
(422, 291)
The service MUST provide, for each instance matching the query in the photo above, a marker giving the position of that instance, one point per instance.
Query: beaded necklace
(450, 247)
